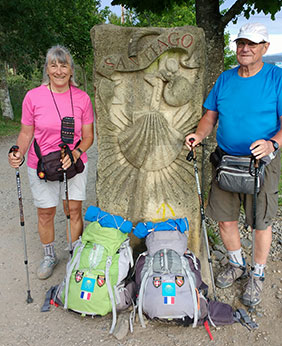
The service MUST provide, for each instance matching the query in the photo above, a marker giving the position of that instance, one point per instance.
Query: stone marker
(148, 95)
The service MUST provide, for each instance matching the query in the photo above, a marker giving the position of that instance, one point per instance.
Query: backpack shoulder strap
(188, 272)
(111, 294)
(190, 254)
(141, 292)
(70, 269)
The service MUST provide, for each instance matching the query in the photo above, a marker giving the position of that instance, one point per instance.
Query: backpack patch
(101, 280)
(78, 276)
(179, 280)
(157, 281)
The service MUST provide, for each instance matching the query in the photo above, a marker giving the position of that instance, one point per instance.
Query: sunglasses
(250, 44)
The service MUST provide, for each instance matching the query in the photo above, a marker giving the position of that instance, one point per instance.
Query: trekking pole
(256, 165)
(14, 149)
(63, 153)
(192, 156)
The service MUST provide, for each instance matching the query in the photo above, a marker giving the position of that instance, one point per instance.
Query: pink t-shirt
(39, 110)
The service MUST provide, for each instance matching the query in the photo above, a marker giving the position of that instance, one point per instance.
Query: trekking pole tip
(29, 300)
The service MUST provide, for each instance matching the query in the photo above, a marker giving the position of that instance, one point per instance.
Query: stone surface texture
(148, 95)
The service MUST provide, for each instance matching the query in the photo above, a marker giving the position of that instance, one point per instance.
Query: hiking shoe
(230, 274)
(247, 298)
(46, 267)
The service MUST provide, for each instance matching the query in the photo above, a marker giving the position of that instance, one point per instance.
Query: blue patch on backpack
(88, 284)
(168, 289)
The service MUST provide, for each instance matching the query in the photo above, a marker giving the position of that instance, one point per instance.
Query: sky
(274, 27)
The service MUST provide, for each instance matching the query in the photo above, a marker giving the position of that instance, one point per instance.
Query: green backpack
(95, 276)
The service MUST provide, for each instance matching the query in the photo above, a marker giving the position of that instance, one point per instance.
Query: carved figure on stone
(149, 97)
(151, 142)
(178, 91)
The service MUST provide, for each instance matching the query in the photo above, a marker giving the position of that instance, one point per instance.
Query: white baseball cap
(255, 32)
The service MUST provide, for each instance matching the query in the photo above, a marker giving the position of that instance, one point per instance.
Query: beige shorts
(225, 206)
(48, 194)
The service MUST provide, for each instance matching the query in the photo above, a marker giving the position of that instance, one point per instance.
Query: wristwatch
(275, 144)
(79, 150)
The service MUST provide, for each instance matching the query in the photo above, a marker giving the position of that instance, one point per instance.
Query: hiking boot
(247, 298)
(230, 274)
(46, 267)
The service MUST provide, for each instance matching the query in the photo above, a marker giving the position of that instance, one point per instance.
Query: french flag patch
(169, 300)
(85, 295)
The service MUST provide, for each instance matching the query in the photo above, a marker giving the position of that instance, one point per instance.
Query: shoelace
(231, 270)
(48, 260)
(256, 286)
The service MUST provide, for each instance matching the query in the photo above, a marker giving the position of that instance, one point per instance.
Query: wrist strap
(79, 150)
(23, 160)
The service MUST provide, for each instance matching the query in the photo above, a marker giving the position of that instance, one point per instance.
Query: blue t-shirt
(248, 108)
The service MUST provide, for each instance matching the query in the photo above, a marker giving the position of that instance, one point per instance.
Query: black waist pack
(49, 166)
(237, 174)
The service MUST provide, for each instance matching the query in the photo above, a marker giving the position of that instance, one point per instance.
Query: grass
(213, 236)
(9, 127)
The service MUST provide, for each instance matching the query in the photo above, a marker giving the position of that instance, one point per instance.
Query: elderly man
(246, 101)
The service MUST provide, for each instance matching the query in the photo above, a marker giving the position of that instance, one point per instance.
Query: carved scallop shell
(150, 143)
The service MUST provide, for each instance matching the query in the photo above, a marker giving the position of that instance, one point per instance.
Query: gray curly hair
(62, 55)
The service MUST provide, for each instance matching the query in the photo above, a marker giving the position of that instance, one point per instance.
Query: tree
(22, 37)
(209, 17)
(74, 20)
(177, 15)
(29, 27)
(229, 55)
(5, 101)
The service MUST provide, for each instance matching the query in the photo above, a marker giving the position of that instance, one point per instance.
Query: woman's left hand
(66, 162)
(76, 155)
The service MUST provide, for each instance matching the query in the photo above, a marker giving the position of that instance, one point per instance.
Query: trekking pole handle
(63, 150)
(192, 153)
(256, 161)
(14, 149)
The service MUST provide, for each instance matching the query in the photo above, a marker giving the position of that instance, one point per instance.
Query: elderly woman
(246, 101)
(43, 110)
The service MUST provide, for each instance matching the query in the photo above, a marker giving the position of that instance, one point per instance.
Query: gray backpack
(169, 280)
(170, 287)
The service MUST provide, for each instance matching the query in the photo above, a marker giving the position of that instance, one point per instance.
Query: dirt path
(24, 324)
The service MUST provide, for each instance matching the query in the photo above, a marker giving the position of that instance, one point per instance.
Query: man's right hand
(192, 140)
